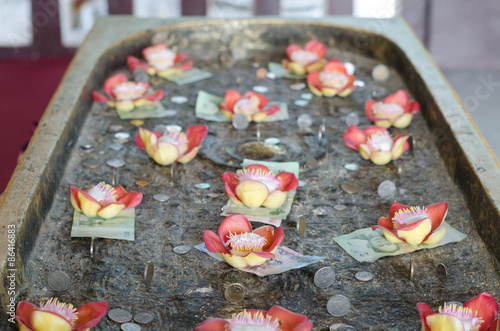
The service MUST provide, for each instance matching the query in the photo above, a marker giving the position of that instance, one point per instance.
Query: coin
(214, 195)
(272, 141)
(336, 326)
(240, 122)
(338, 305)
(351, 166)
(349, 188)
(380, 73)
(298, 86)
(173, 128)
(58, 281)
(119, 315)
(271, 75)
(301, 102)
(116, 146)
(234, 292)
(161, 197)
(149, 272)
(312, 162)
(86, 146)
(442, 272)
(301, 226)
(359, 83)
(349, 68)
(306, 96)
(261, 73)
(304, 121)
(260, 89)
(456, 303)
(202, 185)
(340, 207)
(91, 164)
(141, 183)
(364, 276)
(386, 189)
(115, 163)
(183, 249)
(179, 99)
(86, 150)
(346, 328)
(170, 112)
(324, 277)
(122, 135)
(239, 53)
(137, 122)
(143, 317)
(131, 327)
(352, 119)
(302, 183)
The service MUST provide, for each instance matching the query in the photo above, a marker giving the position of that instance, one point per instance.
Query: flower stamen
(103, 193)
(265, 177)
(130, 90)
(303, 57)
(387, 110)
(407, 216)
(63, 309)
(380, 141)
(246, 321)
(336, 80)
(469, 319)
(246, 242)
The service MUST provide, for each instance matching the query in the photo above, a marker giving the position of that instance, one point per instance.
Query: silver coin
(179, 99)
(271, 75)
(143, 317)
(58, 281)
(364, 276)
(234, 292)
(312, 162)
(116, 146)
(351, 166)
(324, 277)
(380, 73)
(338, 305)
(352, 119)
(302, 183)
(240, 122)
(131, 327)
(86, 150)
(298, 86)
(359, 83)
(161, 197)
(386, 189)
(349, 188)
(304, 121)
(346, 328)
(183, 249)
(336, 326)
(349, 68)
(86, 146)
(260, 89)
(173, 128)
(91, 163)
(170, 112)
(456, 303)
(149, 272)
(115, 163)
(340, 207)
(272, 141)
(119, 315)
(122, 135)
(306, 96)
(239, 53)
(301, 102)
(202, 186)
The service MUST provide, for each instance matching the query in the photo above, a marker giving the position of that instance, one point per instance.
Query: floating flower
(257, 186)
(239, 246)
(275, 319)
(251, 105)
(162, 61)
(173, 145)
(414, 225)
(332, 80)
(302, 61)
(375, 143)
(395, 110)
(55, 315)
(103, 200)
(477, 314)
(126, 95)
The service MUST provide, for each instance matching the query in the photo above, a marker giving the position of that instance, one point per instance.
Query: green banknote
(366, 245)
(188, 76)
(152, 110)
(280, 72)
(120, 227)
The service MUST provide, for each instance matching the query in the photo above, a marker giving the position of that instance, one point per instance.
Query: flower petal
(398, 147)
(292, 48)
(112, 82)
(335, 65)
(252, 193)
(234, 224)
(214, 243)
(262, 99)
(415, 233)
(231, 98)
(277, 239)
(46, 320)
(486, 307)
(369, 111)
(257, 167)
(403, 121)
(134, 63)
(495, 326)
(157, 95)
(296, 68)
(195, 135)
(444, 322)
(380, 157)
(288, 181)
(164, 154)
(395, 207)
(315, 47)
(424, 311)
(110, 210)
(131, 199)
(372, 129)
(89, 205)
(266, 231)
(271, 110)
(399, 98)
(189, 156)
(75, 202)
(23, 313)
(99, 97)
(437, 213)
(435, 236)
(390, 235)
(213, 324)
(354, 136)
(275, 199)
(289, 320)
(90, 314)
(385, 222)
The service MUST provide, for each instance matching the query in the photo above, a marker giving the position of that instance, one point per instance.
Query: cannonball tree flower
(477, 314)
(103, 200)
(173, 145)
(125, 95)
(275, 319)
(375, 143)
(303, 60)
(251, 104)
(257, 186)
(414, 225)
(395, 110)
(332, 80)
(239, 246)
(161, 61)
(54, 315)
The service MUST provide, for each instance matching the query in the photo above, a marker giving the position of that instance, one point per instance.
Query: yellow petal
(89, 208)
(416, 235)
(124, 105)
(403, 121)
(252, 193)
(166, 73)
(381, 158)
(329, 92)
(151, 71)
(238, 202)
(364, 151)
(189, 156)
(45, 321)
(345, 92)
(314, 90)
(141, 102)
(74, 203)
(398, 148)
(444, 322)
(110, 211)
(275, 199)
(165, 154)
(317, 66)
(436, 236)
(384, 123)
(296, 68)
(390, 237)
(259, 117)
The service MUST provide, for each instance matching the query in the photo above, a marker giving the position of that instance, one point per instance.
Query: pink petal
(139, 141)
(24, 311)
(74, 193)
(262, 99)
(90, 314)
(414, 107)
(157, 95)
(185, 66)
(265, 232)
(335, 65)
(231, 98)
(257, 167)
(267, 255)
(393, 232)
(395, 207)
(134, 63)
(313, 78)
(437, 213)
(272, 110)
(112, 82)
(119, 191)
(386, 223)
(495, 326)
(213, 324)
(234, 224)
(292, 48)
(399, 98)
(354, 136)
(131, 199)
(154, 48)
(179, 57)
(288, 320)
(369, 111)
(372, 129)
(424, 311)
(486, 307)
(214, 243)
(195, 135)
(277, 239)
(315, 47)
(288, 181)
(99, 97)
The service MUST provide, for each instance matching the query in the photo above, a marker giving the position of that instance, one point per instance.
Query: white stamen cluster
(246, 321)
(247, 242)
(67, 311)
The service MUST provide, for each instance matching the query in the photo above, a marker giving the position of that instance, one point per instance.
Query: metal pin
(442, 272)
(113, 178)
(322, 129)
(172, 171)
(92, 247)
(258, 131)
(411, 270)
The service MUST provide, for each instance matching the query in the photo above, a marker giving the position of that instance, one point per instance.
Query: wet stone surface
(187, 289)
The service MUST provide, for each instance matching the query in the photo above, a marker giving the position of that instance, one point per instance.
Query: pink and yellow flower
(103, 200)
(125, 95)
(275, 319)
(332, 80)
(56, 316)
(414, 225)
(477, 314)
(251, 105)
(162, 61)
(257, 186)
(375, 143)
(239, 246)
(303, 60)
(395, 110)
(173, 145)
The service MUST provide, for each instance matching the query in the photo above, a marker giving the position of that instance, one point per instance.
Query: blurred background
(39, 37)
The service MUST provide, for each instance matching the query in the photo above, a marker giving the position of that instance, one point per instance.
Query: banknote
(285, 259)
(280, 212)
(188, 76)
(280, 72)
(120, 227)
(208, 108)
(366, 245)
(150, 110)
